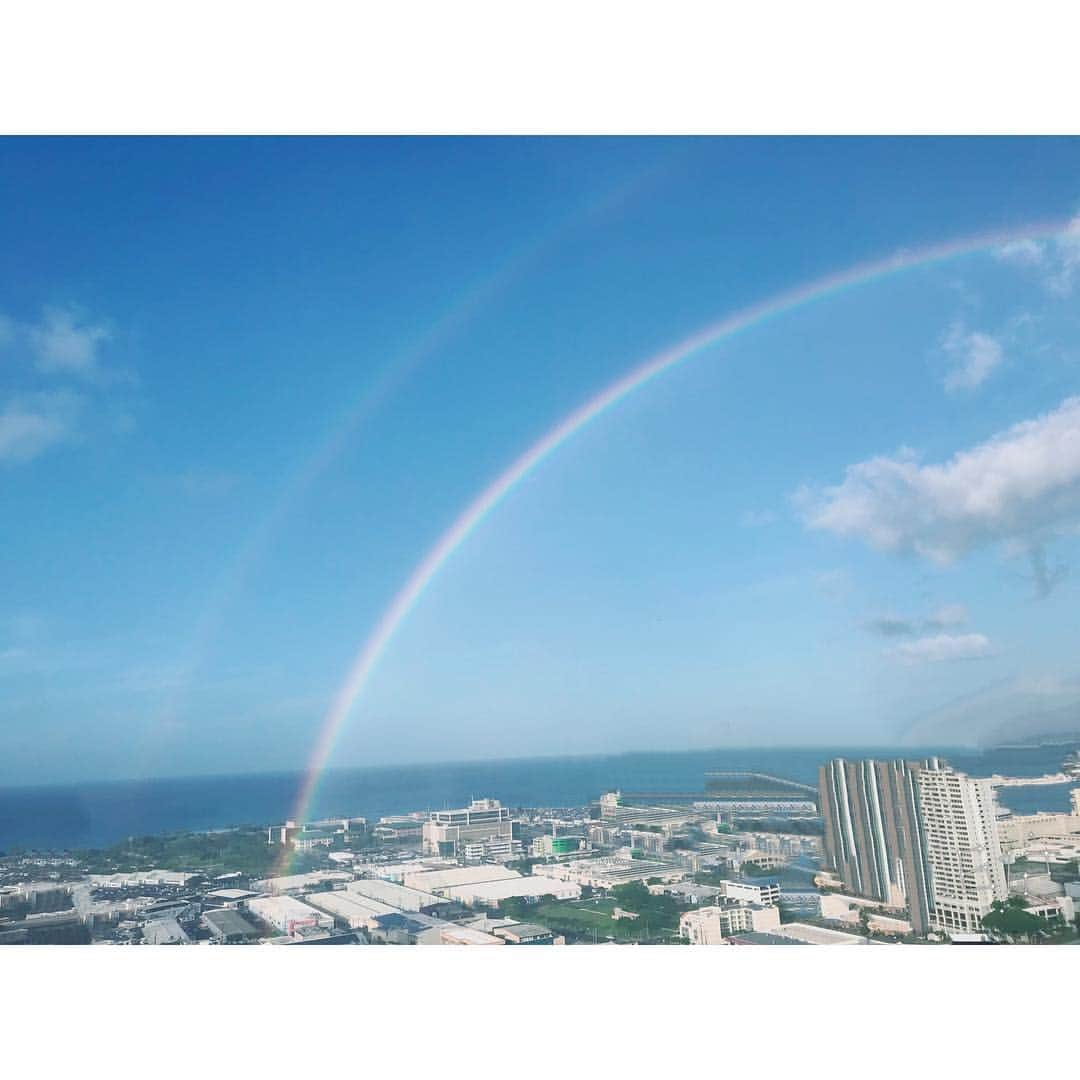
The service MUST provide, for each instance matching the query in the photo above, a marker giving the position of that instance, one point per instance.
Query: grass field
(592, 919)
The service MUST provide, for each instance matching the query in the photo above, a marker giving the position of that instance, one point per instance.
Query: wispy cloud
(972, 356)
(943, 648)
(64, 343)
(893, 626)
(1057, 259)
(1020, 487)
(32, 423)
(1045, 577)
(1022, 253)
(69, 393)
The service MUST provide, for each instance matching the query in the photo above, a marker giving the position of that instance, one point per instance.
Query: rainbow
(487, 500)
(465, 309)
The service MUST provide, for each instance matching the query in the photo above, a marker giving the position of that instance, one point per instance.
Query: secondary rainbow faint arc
(473, 514)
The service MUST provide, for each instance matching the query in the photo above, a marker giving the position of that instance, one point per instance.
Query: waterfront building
(874, 832)
(963, 847)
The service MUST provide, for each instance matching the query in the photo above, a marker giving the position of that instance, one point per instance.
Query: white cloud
(940, 648)
(62, 343)
(1019, 487)
(1057, 259)
(32, 423)
(1022, 252)
(973, 356)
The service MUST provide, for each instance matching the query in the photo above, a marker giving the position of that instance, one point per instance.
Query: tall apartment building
(446, 832)
(874, 833)
(963, 848)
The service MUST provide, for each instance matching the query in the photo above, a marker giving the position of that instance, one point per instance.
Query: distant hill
(1017, 711)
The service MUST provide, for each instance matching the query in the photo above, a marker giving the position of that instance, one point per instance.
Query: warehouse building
(492, 893)
(357, 912)
(407, 928)
(397, 896)
(228, 927)
(297, 883)
(464, 935)
(440, 881)
(289, 915)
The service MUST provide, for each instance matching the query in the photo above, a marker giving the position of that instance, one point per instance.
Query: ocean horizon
(98, 813)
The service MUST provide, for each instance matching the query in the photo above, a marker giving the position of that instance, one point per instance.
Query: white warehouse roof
(397, 896)
(529, 888)
(439, 880)
(357, 911)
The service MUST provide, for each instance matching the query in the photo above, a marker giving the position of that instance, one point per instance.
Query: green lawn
(584, 917)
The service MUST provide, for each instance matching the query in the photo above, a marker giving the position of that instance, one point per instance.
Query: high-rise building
(915, 834)
(963, 849)
(873, 833)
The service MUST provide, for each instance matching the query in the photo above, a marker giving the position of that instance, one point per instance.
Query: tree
(1011, 919)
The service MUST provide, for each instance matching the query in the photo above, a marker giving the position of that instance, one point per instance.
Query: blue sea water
(96, 814)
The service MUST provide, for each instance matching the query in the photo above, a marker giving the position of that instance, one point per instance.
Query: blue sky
(245, 385)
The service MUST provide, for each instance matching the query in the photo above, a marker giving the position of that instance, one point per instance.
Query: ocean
(97, 814)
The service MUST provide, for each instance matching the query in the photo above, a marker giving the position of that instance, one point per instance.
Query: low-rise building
(164, 932)
(464, 935)
(408, 928)
(441, 881)
(763, 893)
(557, 847)
(357, 912)
(298, 883)
(228, 927)
(311, 839)
(499, 849)
(176, 879)
(710, 925)
(531, 888)
(688, 892)
(288, 915)
(819, 935)
(397, 896)
(604, 872)
(526, 934)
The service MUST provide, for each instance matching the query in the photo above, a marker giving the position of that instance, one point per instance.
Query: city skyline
(249, 384)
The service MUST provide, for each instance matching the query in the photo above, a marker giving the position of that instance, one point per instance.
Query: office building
(447, 831)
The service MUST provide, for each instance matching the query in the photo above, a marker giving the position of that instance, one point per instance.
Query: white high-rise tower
(959, 815)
